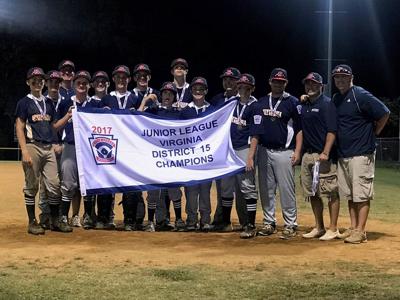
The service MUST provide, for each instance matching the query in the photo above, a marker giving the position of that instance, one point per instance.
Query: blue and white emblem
(104, 149)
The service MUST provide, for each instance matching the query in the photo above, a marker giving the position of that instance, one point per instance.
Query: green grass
(80, 282)
(386, 203)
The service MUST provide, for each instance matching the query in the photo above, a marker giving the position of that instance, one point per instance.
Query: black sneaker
(192, 226)
(164, 226)
(206, 227)
(63, 225)
(129, 227)
(248, 232)
(87, 222)
(44, 221)
(268, 229)
(34, 228)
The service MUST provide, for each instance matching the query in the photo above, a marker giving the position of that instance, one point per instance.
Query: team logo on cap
(141, 67)
(104, 149)
(37, 71)
(228, 72)
(244, 78)
(280, 74)
(169, 86)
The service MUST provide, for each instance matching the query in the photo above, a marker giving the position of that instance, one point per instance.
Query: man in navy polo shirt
(69, 169)
(67, 70)
(361, 117)
(276, 126)
(34, 117)
(319, 126)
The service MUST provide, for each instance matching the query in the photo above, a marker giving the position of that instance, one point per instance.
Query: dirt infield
(170, 249)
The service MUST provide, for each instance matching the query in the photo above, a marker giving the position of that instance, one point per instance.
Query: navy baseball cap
(100, 74)
(168, 86)
(66, 63)
(121, 69)
(342, 70)
(180, 61)
(313, 76)
(247, 79)
(82, 74)
(199, 80)
(141, 67)
(278, 74)
(230, 72)
(53, 74)
(35, 71)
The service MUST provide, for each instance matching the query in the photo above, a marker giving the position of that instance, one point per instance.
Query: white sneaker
(76, 221)
(345, 233)
(315, 233)
(330, 235)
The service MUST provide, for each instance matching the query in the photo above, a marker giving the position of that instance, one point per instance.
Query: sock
(226, 209)
(251, 205)
(177, 208)
(30, 207)
(151, 210)
(65, 205)
(88, 204)
(167, 205)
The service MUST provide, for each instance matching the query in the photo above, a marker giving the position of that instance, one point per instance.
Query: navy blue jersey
(113, 102)
(56, 102)
(357, 111)
(139, 95)
(192, 111)
(240, 128)
(276, 128)
(317, 119)
(38, 123)
(63, 110)
(66, 93)
(220, 99)
(184, 94)
(170, 112)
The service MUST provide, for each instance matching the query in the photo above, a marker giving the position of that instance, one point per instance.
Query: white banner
(120, 151)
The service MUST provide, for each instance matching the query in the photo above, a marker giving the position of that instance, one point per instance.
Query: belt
(311, 151)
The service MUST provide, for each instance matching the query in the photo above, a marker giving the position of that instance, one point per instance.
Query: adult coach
(275, 127)
(361, 117)
(319, 126)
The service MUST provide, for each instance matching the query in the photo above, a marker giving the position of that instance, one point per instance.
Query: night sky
(253, 35)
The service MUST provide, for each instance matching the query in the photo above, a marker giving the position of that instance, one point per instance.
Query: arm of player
(251, 154)
(59, 124)
(145, 100)
(330, 139)
(19, 128)
(381, 123)
(297, 151)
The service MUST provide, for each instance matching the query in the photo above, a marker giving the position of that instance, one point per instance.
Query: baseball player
(361, 117)
(319, 127)
(100, 84)
(179, 70)
(275, 128)
(34, 116)
(67, 69)
(122, 99)
(69, 170)
(156, 198)
(53, 81)
(198, 196)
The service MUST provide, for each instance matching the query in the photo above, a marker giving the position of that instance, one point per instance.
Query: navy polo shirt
(357, 111)
(277, 130)
(66, 93)
(139, 95)
(190, 111)
(38, 127)
(187, 94)
(220, 99)
(112, 102)
(57, 136)
(317, 119)
(63, 110)
(240, 128)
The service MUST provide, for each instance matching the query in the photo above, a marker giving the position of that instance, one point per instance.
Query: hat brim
(122, 72)
(247, 83)
(279, 79)
(36, 75)
(342, 73)
(231, 76)
(306, 79)
(180, 64)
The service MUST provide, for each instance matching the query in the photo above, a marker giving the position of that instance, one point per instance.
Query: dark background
(253, 35)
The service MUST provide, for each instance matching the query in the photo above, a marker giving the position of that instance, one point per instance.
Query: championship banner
(119, 151)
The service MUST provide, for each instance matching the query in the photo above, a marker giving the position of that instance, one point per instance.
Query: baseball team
(332, 139)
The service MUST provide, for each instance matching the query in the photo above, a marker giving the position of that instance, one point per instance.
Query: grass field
(116, 265)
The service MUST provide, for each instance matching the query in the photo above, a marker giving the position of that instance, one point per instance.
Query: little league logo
(104, 149)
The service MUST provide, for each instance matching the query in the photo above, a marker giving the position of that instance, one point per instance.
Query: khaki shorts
(328, 185)
(356, 178)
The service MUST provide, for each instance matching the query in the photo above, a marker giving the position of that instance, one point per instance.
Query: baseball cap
(100, 74)
(180, 61)
(278, 74)
(199, 80)
(141, 67)
(35, 71)
(313, 76)
(168, 86)
(66, 63)
(230, 72)
(342, 70)
(82, 74)
(121, 69)
(53, 74)
(247, 79)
